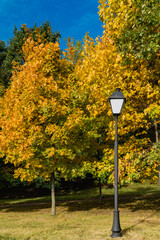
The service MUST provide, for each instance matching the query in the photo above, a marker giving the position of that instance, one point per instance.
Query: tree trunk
(156, 131)
(159, 174)
(100, 192)
(53, 207)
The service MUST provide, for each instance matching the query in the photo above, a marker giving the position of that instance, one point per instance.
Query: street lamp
(117, 101)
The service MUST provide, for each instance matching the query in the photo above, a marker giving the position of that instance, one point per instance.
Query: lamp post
(117, 101)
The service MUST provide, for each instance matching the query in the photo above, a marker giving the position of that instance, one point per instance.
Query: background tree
(2, 58)
(12, 51)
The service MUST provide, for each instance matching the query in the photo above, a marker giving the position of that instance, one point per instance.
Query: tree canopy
(12, 51)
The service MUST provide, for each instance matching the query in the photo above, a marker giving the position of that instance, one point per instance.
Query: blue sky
(73, 18)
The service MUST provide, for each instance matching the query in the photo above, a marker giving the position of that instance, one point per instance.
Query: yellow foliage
(32, 109)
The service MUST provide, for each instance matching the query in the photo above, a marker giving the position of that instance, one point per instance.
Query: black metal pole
(116, 229)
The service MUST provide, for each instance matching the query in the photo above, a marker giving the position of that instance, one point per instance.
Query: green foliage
(147, 165)
(13, 50)
(3, 52)
(140, 34)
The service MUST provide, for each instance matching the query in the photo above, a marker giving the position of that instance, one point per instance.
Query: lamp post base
(116, 234)
(116, 229)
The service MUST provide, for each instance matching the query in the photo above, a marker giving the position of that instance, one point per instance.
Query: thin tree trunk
(156, 131)
(100, 192)
(53, 207)
(159, 174)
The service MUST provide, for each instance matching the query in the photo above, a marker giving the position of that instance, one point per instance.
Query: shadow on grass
(151, 202)
(124, 231)
(24, 207)
(139, 199)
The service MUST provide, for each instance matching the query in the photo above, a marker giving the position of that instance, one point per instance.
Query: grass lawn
(80, 217)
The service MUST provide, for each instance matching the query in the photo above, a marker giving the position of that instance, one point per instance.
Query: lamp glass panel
(116, 105)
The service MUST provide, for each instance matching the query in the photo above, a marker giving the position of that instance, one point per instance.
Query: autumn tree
(33, 114)
(95, 77)
(12, 50)
(134, 27)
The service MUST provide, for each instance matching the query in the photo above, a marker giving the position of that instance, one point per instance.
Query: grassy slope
(84, 219)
